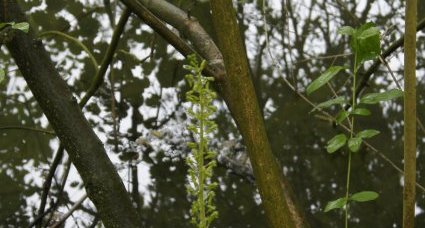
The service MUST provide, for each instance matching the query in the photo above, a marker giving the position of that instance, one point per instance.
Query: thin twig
(48, 183)
(69, 213)
(28, 129)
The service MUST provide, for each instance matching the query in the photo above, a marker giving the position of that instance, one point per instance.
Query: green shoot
(201, 161)
(365, 43)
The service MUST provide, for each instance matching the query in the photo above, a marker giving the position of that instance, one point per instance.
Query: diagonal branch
(203, 44)
(102, 182)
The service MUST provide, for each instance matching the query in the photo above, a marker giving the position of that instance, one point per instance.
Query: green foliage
(202, 160)
(369, 133)
(336, 143)
(361, 112)
(336, 204)
(1, 75)
(23, 26)
(324, 78)
(354, 144)
(339, 203)
(365, 43)
(364, 196)
(374, 98)
(329, 103)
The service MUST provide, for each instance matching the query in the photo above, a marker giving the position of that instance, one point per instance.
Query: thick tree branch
(204, 46)
(239, 94)
(102, 182)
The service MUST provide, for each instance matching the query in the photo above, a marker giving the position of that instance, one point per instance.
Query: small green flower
(202, 160)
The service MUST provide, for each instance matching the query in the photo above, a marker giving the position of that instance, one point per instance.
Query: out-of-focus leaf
(364, 196)
(373, 98)
(354, 144)
(23, 26)
(366, 43)
(346, 30)
(2, 74)
(336, 204)
(324, 78)
(361, 112)
(336, 142)
(326, 104)
(369, 133)
(341, 116)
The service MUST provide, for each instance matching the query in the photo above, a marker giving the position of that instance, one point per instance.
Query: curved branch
(204, 45)
(75, 41)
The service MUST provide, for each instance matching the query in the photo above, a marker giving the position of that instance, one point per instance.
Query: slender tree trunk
(409, 115)
(102, 182)
(238, 92)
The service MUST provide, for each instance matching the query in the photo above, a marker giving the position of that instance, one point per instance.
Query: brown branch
(100, 74)
(215, 66)
(69, 213)
(238, 91)
(48, 182)
(102, 182)
(27, 129)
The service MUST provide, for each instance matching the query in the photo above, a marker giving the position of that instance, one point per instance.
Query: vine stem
(353, 106)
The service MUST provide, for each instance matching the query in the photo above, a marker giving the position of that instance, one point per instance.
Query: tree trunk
(409, 115)
(102, 182)
(238, 92)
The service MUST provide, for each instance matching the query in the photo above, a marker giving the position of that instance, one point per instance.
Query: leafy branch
(365, 43)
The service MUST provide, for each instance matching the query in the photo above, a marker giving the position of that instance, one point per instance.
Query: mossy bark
(409, 115)
(102, 182)
(238, 91)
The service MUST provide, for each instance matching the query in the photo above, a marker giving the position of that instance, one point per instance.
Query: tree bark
(102, 182)
(409, 190)
(239, 94)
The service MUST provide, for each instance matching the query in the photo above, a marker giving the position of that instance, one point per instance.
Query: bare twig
(27, 129)
(69, 213)
(47, 184)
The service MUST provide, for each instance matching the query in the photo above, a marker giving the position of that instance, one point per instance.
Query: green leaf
(341, 116)
(23, 26)
(323, 78)
(2, 74)
(364, 196)
(369, 133)
(373, 98)
(354, 144)
(4, 24)
(336, 204)
(370, 32)
(336, 142)
(326, 104)
(346, 30)
(366, 43)
(361, 112)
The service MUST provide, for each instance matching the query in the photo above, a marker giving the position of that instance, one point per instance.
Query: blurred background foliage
(143, 100)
